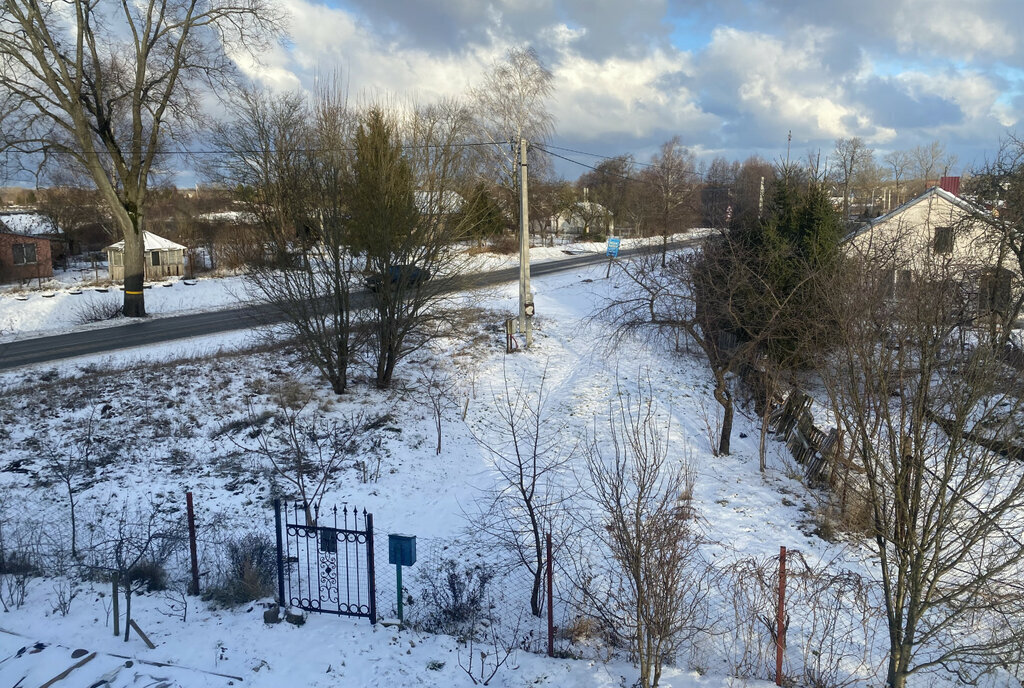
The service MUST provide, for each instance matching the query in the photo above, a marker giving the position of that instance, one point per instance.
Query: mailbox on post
(401, 552)
(401, 549)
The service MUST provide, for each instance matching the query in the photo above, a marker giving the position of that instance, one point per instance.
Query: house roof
(151, 242)
(895, 212)
(29, 224)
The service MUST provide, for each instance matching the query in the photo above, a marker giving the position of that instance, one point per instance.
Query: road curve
(143, 332)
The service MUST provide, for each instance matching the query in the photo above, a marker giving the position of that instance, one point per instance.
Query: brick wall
(9, 272)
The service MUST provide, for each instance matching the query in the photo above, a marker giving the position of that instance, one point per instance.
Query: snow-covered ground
(176, 418)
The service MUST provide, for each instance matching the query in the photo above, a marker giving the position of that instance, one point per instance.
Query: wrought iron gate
(323, 566)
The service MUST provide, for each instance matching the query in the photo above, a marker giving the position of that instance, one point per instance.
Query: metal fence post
(370, 569)
(551, 599)
(780, 628)
(194, 586)
(280, 553)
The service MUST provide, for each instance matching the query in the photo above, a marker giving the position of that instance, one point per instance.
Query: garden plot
(153, 431)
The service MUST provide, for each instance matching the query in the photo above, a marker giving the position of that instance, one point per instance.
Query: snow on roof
(236, 216)
(152, 242)
(31, 224)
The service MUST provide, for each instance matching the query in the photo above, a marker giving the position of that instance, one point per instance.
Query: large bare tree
(672, 185)
(930, 421)
(111, 85)
(290, 156)
(851, 157)
(509, 104)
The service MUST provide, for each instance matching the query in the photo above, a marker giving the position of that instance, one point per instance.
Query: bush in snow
(248, 572)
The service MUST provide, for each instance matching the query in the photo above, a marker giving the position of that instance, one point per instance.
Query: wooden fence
(820, 452)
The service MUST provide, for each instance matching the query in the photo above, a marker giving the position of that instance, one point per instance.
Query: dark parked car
(406, 275)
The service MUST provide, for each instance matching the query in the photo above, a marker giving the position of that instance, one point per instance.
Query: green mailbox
(401, 549)
(401, 552)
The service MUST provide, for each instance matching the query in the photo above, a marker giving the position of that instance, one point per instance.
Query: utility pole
(525, 297)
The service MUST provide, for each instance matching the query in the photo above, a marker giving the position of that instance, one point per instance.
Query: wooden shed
(164, 258)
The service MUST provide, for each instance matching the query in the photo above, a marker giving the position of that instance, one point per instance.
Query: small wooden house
(164, 258)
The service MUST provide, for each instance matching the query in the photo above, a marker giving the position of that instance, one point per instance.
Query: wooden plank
(142, 635)
(64, 674)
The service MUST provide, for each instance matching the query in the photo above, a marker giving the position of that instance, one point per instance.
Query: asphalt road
(144, 331)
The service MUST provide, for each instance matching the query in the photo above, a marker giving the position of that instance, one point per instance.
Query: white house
(164, 258)
(938, 234)
(582, 219)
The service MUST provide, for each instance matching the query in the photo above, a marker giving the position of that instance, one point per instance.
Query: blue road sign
(613, 247)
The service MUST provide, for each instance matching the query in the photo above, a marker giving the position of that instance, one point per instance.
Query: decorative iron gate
(324, 567)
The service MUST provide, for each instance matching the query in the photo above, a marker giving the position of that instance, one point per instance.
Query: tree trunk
(127, 606)
(725, 399)
(134, 271)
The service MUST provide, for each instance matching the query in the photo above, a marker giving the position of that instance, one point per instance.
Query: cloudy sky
(730, 77)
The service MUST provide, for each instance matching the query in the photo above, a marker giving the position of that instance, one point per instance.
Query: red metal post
(780, 622)
(551, 608)
(194, 587)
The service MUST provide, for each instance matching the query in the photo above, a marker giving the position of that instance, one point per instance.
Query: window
(156, 258)
(995, 290)
(24, 254)
(116, 259)
(943, 240)
(904, 278)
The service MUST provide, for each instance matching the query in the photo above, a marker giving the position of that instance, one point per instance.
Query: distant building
(583, 219)
(40, 226)
(24, 257)
(164, 258)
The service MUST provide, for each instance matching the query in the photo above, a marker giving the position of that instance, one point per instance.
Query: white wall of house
(931, 233)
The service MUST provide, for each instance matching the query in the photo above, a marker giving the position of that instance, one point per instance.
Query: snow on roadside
(59, 306)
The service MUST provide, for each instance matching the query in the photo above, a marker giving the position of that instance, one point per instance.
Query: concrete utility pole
(525, 297)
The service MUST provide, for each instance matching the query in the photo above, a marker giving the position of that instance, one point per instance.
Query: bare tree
(925, 416)
(716, 299)
(303, 449)
(70, 462)
(851, 157)
(403, 211)
(645, 520)
(112, 85)
(528, 454)
(998, 184)
(899, 162)
(510, 104)
(931, 161)
(291, 159)
(137, 552)
(672, 185)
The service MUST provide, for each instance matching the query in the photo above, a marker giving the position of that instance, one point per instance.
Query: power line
(254, 151)
(638, 180)
(598, 155)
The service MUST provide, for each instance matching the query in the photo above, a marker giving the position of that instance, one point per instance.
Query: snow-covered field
(179, 419)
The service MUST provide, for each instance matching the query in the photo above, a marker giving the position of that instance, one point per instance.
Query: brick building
(24, 257)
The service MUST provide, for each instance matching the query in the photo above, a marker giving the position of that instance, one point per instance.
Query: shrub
(150, 573)
(455, 597)
(100, 309)
(504, 244)
(249, 571)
